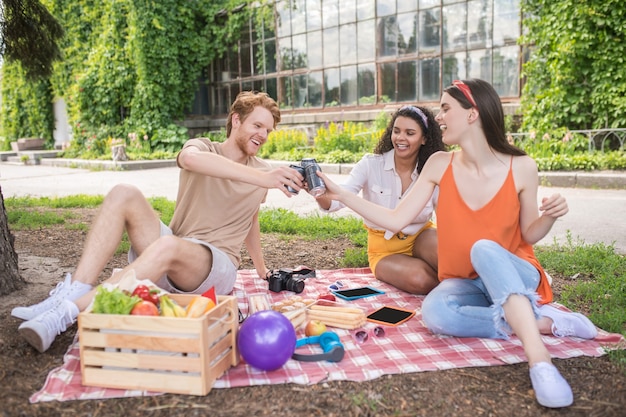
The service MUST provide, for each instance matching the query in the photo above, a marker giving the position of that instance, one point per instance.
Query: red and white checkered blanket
(409, 347)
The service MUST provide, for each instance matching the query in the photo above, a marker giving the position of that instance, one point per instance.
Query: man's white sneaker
(41, 331)
(551, 389)
(566, 323)
(65, 290)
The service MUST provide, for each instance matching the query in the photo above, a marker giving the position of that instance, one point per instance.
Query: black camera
(308, 168)
(289, 279)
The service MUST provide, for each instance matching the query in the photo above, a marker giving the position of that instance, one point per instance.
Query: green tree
(129, 66)
(576, 74)
(29, 35)
(28, 42)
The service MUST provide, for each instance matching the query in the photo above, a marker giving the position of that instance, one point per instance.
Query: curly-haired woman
(406, 259)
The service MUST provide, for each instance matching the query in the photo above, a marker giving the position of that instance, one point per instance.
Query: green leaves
(575, 74)
(128, 66)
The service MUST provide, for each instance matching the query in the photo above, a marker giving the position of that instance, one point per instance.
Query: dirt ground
(46, 255)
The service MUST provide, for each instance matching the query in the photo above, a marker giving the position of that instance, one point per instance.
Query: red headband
(465, 90)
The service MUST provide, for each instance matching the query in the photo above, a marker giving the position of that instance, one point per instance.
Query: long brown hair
(430, 130)
(490, 112)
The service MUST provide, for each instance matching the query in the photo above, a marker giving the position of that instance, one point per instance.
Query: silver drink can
(315, 184)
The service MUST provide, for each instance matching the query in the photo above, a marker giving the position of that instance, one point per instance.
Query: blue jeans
(473, 307)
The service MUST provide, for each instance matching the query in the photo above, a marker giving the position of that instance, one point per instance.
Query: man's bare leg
(124, 209)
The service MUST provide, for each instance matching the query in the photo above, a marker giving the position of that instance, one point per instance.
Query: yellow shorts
(378, 247)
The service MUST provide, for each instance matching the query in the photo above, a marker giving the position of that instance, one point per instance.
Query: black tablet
(356, 293)
(390, 315)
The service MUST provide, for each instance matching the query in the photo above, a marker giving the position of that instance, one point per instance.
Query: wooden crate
(162, 354)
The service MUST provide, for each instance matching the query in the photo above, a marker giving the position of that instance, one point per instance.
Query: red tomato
(146, 294)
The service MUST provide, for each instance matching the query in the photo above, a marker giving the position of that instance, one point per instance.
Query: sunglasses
(336, 286)
(362, 336)
(465, 90)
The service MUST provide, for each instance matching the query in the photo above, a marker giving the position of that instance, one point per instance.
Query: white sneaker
(65, 290)
(41, 331)
(551, 389)
(565, 323)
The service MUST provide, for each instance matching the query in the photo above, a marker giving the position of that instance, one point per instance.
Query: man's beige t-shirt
(215, 210)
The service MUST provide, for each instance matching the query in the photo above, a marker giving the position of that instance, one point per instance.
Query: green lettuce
(113, 301)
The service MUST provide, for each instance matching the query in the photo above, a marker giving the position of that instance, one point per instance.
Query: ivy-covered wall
(129, 67)
(576, 75)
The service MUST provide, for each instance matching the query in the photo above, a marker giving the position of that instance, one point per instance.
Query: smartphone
(391, 316)
(356, 293)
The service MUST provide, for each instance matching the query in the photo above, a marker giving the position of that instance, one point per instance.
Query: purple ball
(266, 340)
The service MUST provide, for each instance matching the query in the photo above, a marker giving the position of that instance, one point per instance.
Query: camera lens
(295, 285)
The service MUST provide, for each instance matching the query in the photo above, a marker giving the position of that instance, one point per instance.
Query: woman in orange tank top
(491, 284)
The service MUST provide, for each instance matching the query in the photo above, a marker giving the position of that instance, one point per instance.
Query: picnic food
(113, 301)
(314, 328)
(294, 308)
(145, 293)
(170, 308)
(337, 316)
(198, 306)
(145, 308)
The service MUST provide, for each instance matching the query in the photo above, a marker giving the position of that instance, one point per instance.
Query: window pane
(506, 71)
(331, 47)
(316, 81)
(455, 27)
(270, 85)
(299, 51)
(365, 9)
(479, 64)
(407, 25)
(429, 23)
(219, 69)
(234, 91)
(407, 6)
(330, 13)
(507, 14)
(367, 84)
(314, 49)
(259, 57)
(258, 85)
(347, 11)
(388, 33)
(233, 63)
(286, 59)
(298, 16)
(300, 91)
(429, 3)
(285, 97)
(454, 67)
(407, 81)
(365, 39)
(348, 85)
(387, 87)
(270, 56)
(313, 15)
(283, 20)
(429, 79)
(347, 45)
(201, 98)
(479, 23)
(246, 65)
(331, 87)
(385, 7)
(220, 101)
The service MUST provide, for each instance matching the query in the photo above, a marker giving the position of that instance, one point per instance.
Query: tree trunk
(10, 279)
